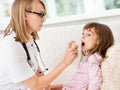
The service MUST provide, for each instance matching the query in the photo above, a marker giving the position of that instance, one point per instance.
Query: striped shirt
(88, 76)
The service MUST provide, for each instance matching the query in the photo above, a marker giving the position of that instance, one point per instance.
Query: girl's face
(89, 40)
(34, 19)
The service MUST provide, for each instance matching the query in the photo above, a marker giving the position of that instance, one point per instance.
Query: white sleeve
(16, 63)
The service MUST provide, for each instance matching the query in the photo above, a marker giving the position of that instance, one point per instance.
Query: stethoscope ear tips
(46, 68)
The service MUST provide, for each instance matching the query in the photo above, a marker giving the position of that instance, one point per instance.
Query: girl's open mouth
(82, 44)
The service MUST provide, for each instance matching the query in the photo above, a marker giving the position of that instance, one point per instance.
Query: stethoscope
(45, 67)
(29, 59)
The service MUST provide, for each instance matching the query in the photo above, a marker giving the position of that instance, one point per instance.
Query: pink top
(88, 76)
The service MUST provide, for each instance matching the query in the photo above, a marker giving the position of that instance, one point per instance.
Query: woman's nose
(43, 19)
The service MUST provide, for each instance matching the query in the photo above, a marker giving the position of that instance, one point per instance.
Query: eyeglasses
(41, 15)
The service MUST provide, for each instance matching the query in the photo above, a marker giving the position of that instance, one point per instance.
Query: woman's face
(34, 19)
(89, 40)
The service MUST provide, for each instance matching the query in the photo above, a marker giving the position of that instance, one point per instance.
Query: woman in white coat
(19, 68)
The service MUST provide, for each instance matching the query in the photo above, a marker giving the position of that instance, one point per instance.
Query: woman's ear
(25, 15)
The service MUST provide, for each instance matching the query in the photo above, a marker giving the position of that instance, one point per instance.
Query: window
(5, 6)
(112, 4)
(60, 8)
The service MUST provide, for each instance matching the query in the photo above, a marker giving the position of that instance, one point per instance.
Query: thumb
(70, 44)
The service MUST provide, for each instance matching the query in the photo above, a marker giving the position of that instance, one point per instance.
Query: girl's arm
(39, 83)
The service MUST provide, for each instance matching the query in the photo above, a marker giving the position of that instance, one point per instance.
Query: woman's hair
(104, 36)
(18, 23)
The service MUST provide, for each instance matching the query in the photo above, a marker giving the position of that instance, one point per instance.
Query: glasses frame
(41, 15)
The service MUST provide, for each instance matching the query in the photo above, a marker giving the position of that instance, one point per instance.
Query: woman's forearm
(39, 83)
(44, 81)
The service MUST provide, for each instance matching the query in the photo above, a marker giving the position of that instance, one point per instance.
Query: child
(96, 39)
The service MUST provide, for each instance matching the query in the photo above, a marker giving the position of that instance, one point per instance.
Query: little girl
(96, 39)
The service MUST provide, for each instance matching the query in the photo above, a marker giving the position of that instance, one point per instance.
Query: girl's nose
(83, 37)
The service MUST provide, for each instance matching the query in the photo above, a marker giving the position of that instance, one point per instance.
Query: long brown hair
(17, 22)
(105, 37)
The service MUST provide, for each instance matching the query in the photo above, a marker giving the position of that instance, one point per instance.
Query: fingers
(73, 48)
(70, 44)
(71, 53)
(74, 52)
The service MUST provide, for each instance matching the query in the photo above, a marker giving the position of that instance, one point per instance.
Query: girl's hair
(104, 35)
(17, 22)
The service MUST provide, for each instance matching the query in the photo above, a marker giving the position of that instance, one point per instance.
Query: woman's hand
(71, 53)
(56, 87)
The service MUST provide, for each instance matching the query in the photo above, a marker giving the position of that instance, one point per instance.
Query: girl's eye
(88, 34)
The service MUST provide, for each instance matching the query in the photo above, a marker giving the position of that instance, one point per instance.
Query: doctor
(19, 68)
